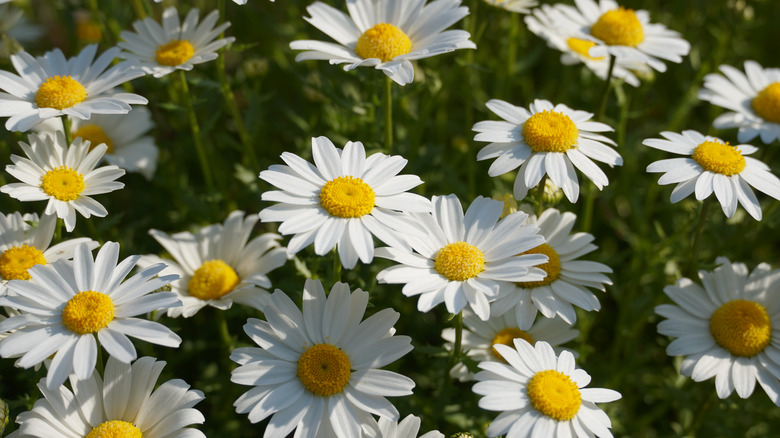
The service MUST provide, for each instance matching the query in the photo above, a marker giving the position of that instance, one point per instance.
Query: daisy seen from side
(406, 428)
(518, 6)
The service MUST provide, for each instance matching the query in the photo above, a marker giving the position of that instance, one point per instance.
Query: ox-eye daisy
(540, 394)
(464, 259)
(406, 428)
(342, 201)
(51, 86)
(729, 329)
(64, 175)
(713, 166)
(161, 50)
(753, 98)
(65, 307)
(548, 139)
(318, 370)
(385, 34)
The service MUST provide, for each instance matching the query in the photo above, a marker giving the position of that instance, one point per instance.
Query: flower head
(406, 428)
(519, 6)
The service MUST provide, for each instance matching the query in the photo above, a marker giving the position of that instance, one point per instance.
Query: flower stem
(139, 9)
(456, 347)
(336, 265)
(389, 115)
(540, 196)
(607, 86)
(195, 129)
(695, 246)
(224, 332)
(67, 130)
(587, 215)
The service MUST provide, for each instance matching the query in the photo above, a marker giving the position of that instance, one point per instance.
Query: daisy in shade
(406, 428)
(219, 265)
(568, 280)
(124, 403)
(64, 175)
(65, 307)
(51, 86)
(16, 30)
(753, 98)
(545, 139)
(464, 259)
(385, 34)
(728, 329)
(519, 6)
(480, 337)
(540, 394)
(713, 165)
(342, 200)
(317, 371)
(161, 50)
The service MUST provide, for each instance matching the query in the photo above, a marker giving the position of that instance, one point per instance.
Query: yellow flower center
(718, 157)
(348, 197)
(741, 327)
(619, 27)
(15, 261)
(88, 312)
(174, 52)
(115, 429)
(383, 41)
(554, 394)
(506, 337)
(549, 131)
(552, 267)
(95, 135)
(324, 369)
(60, 92)
(459, 261)
(582, 47)
(62, 183)
(214, 279)
(767, 103)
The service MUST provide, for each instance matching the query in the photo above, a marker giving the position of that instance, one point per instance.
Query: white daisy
(219, 265)
(124, 403)
(51, 86)
(64, 175)
(713, 166)
(466, 259)
(385, 34)
(540, 394)
(729, 329)
(519, 6)
(66, 306)
(342, 201)
(161, 50)
(406, 428)
(548, 139)
(480, 337)
(318, 370)
(15, 26)
(753, 98)
(568, 280)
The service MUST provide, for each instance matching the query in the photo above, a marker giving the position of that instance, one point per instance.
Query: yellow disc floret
(95, 135)
(383, 41)
(62, 183)
(174, 52)
(213, 279)
(718, 157)
(582, 47)
(767, 103)
(88, 312)
(619, 27)
(115, 429)
(741, 327)
(507, 336)
(552, 267)
(15, 261)
(459, 261)
(60, 92)
(347, 197)
(324, 369)
(550, 131)
(554, 394)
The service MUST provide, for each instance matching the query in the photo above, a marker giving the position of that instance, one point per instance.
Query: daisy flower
(519, 6)
(15, 27)
(753, 98)
(385, 34)
(66, 306)
(219, 265)
(728, 329)
(713, 166)
(548, 139)
(63, 175)
(541, 393)
(317, 370)
(124, 403)
(342, 200)
(406, 428)
(567, 281)
(464, 259)
(480, 337)
(161, 50)
(51, 86)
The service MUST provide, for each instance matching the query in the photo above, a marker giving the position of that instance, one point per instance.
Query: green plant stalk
(68, 130)
(224, 331)
(696, 245)
(540, 196)
(456, 347)
(607, 86)
(389, 115)
(139, 9)
(336, 265)
(195, 129)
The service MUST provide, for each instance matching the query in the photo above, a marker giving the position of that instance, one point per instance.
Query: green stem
(458, 339)
(389, 115)
(540, 196)
(195, 129)
(230, 100)
(224, 332)
(695, 246)
(99, 363)
(139, 9)
(607, 85)
(336, 265)
(511, 56)
(699, 415)
(587, 215)
(67, 129)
